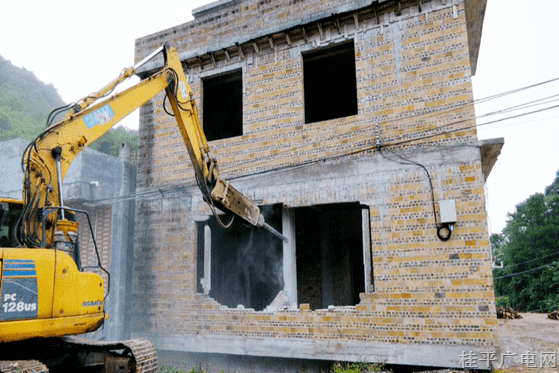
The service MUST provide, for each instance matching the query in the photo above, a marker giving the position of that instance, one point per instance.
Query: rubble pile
(554, 315)
(507, 313)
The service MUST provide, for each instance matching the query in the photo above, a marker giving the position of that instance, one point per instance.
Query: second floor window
(330, 83)
(223, 106)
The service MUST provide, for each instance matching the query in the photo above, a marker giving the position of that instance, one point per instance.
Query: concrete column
(122, 246)
(289, 256)
(207, 280)
(366, 229)
(326, 252)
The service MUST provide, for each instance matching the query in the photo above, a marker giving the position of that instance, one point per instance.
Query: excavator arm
(47, 158)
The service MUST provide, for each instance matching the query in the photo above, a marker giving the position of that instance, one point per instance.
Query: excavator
(47, 298)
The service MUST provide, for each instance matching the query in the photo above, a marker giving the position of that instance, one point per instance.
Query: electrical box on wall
(447, 209)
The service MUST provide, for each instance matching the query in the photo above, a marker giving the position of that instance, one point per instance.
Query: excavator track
(144, 356)
(77, 354)
(23, 366)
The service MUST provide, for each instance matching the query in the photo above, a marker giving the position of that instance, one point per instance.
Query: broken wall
(414, 95)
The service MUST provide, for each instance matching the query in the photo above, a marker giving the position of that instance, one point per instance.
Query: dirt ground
(534, 336)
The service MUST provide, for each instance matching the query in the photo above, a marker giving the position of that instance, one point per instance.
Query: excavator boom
(48, 158)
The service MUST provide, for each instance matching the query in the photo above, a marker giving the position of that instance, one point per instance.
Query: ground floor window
(327, 261)
(245, 262)
(330, 255)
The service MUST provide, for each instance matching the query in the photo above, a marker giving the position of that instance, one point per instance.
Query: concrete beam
(490, 150)
(333, 350)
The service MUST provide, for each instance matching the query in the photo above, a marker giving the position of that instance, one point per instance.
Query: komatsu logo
(93, 303)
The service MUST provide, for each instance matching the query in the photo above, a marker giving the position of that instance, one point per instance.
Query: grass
(357, 367)
(171, 369)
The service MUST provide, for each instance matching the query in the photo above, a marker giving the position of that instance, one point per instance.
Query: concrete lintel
(200, 218)
(334, 350)
(368, 164)
(490, 150)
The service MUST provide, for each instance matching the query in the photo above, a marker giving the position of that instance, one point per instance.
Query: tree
(529, 248)
(26, 102)
(110, 142)
(497, 244)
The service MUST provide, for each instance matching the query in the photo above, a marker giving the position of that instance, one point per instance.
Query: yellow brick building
(352, 124)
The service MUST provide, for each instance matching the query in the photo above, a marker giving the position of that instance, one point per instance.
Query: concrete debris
(554, 315)
(507, 313)
(280, 302)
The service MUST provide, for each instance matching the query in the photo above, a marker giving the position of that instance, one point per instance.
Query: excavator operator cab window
(9, 214)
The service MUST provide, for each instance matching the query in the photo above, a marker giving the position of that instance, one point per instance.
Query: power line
(474, 126)
(532, 260)
(499, 112)
(517, 123)
(236, 168)
(373, 146)
(436, 114)
(526, 271)
(525, 105)
(175, 187)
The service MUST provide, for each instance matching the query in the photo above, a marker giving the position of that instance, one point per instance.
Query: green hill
(26, 102)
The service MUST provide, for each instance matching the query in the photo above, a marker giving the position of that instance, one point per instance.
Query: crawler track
(22, 366)
(79, 354)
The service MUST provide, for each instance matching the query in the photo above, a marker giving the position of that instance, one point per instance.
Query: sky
(80, 46)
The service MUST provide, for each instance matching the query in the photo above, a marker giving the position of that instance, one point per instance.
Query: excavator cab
(10, 211)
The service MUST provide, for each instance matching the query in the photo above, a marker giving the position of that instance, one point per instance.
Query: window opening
(223, 106)
(329, 245)
(246, 262)
(330, 83)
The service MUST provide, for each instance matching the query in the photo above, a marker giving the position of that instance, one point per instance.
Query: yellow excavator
(46, 297)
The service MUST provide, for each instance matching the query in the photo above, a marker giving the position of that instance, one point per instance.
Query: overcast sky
(80, 46)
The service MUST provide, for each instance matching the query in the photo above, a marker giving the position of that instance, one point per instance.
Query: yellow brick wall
(413, 79)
